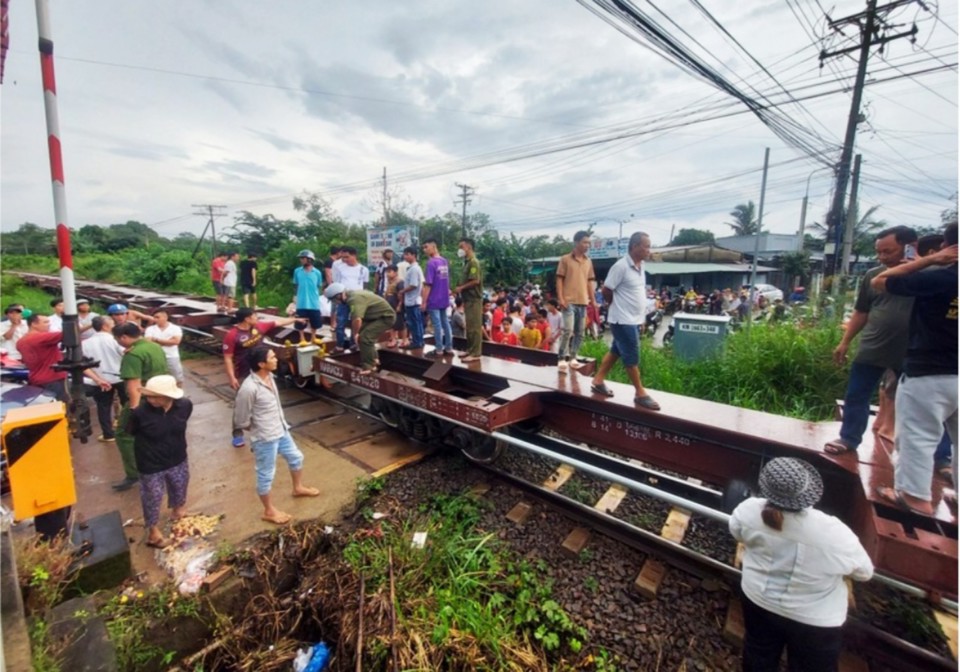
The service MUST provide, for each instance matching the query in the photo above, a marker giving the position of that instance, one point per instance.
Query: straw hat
(790, 483)
(162, 386)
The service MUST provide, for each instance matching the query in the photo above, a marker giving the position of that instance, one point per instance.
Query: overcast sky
(245, 104)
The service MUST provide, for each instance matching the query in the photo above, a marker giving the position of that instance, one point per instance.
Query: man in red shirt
(239, 342)
(216, 277)
(39, 351)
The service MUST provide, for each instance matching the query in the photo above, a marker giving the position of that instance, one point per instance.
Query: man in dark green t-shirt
(471, 290)
(880, 319)
(142, 360)
(370, 316)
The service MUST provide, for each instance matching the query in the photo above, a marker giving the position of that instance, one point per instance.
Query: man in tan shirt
(575, 291)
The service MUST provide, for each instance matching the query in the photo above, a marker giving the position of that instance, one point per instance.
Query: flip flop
(838, 447)
(163, 543)
(282, 519)
(307, 492)
(895, 498)
(602, 389)
(647, 402)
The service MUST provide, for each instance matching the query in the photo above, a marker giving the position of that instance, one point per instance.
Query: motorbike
(653, 322)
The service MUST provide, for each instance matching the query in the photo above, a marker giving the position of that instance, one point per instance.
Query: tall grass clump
(785, 369)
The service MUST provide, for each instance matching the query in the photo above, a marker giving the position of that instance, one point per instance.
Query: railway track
(465, 430)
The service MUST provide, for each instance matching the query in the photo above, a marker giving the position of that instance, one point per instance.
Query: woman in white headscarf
(794, 563)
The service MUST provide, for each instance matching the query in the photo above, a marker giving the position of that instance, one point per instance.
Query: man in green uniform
(142, 360)
(370, 316)
(471, 291)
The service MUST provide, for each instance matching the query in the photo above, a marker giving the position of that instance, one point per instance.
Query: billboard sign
(608, 248)
(389, 238)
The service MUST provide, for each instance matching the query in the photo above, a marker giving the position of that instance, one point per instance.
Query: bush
(786, 369)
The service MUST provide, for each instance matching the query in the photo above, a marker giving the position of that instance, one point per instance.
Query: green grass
(465, 599)
(786, 369)
(13, 290)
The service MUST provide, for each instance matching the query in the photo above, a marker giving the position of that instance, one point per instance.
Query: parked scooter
(654, 319)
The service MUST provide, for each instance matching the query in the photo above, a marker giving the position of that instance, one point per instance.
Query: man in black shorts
(248, 279)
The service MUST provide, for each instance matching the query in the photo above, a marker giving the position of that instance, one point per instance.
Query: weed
(368, 488)
(644, 520)
(591, 584)
(585, 555)
(44, 570)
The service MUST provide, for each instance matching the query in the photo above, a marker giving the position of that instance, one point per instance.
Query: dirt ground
(338, 446)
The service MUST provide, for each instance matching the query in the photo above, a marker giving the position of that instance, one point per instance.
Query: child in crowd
(530, 335)
(543, 324)
(392, 295)
(505, 333)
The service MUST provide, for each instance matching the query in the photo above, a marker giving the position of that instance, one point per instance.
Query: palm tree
(745, 219)
(864, 231)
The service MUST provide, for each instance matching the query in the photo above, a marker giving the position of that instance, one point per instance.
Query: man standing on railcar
(625, 290)
(576, 286)
(471, 290)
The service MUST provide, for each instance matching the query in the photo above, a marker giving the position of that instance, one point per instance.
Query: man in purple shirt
(436, 298)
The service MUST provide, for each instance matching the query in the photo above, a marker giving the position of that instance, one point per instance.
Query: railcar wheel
(734, 494)
(300, 382)
(388, 411)
(475, 446)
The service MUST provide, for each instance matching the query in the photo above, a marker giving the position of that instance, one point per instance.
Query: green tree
(692, 237)
(865, 230)
(796, 265)
(744, 219)
(29, 238)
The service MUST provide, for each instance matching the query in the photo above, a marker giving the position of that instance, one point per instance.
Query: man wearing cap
(158, 426)
(121, 315)
(85, 319)
(258, 410)
(141, 361)
(13, 329)
(794, 564)
(370, 316)
(307, 281)
(103, 347)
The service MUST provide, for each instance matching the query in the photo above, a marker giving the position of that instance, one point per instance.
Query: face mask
(461, 253)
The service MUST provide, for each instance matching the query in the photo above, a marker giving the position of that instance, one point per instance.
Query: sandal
(838, 447)
(895, 498)
(647, 402)
(602, 389)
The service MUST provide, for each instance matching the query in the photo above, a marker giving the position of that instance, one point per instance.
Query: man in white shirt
(56, 319)
(12, 329)
(167, 336)
(352, 275)
(230, 280)
(625, 291)
(103, 347)
(85, 318)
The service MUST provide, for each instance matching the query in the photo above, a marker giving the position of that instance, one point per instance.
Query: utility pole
(212, 212)
(386, 207)
(851, 219)
(872, 33)
(466, 192)
(756, 242)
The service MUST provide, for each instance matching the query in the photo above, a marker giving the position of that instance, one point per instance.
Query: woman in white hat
(795, 560)
(159, 429)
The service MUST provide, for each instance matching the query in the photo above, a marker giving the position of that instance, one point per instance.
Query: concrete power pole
(465, 193)
(851, 219)
(386, 208)
(869, 22)
(212, 212)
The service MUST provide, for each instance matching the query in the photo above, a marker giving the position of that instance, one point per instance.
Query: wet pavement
(339, 446)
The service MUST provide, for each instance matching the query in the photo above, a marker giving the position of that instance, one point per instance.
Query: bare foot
(304, 491)
(277, 517)
(157, 542)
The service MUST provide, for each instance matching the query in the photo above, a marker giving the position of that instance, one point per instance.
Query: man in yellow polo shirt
(576, 287)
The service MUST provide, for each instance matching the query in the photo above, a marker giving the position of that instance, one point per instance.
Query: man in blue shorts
(625, 292)
(307, 281)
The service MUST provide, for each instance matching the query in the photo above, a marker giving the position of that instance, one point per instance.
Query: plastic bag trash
(328, 529)
(419, 540)
(318, 657)
(377, 515)
(302, 659)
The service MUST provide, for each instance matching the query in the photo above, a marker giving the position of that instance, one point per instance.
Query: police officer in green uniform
(471, 291)
(370, 316)
(142, 360)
